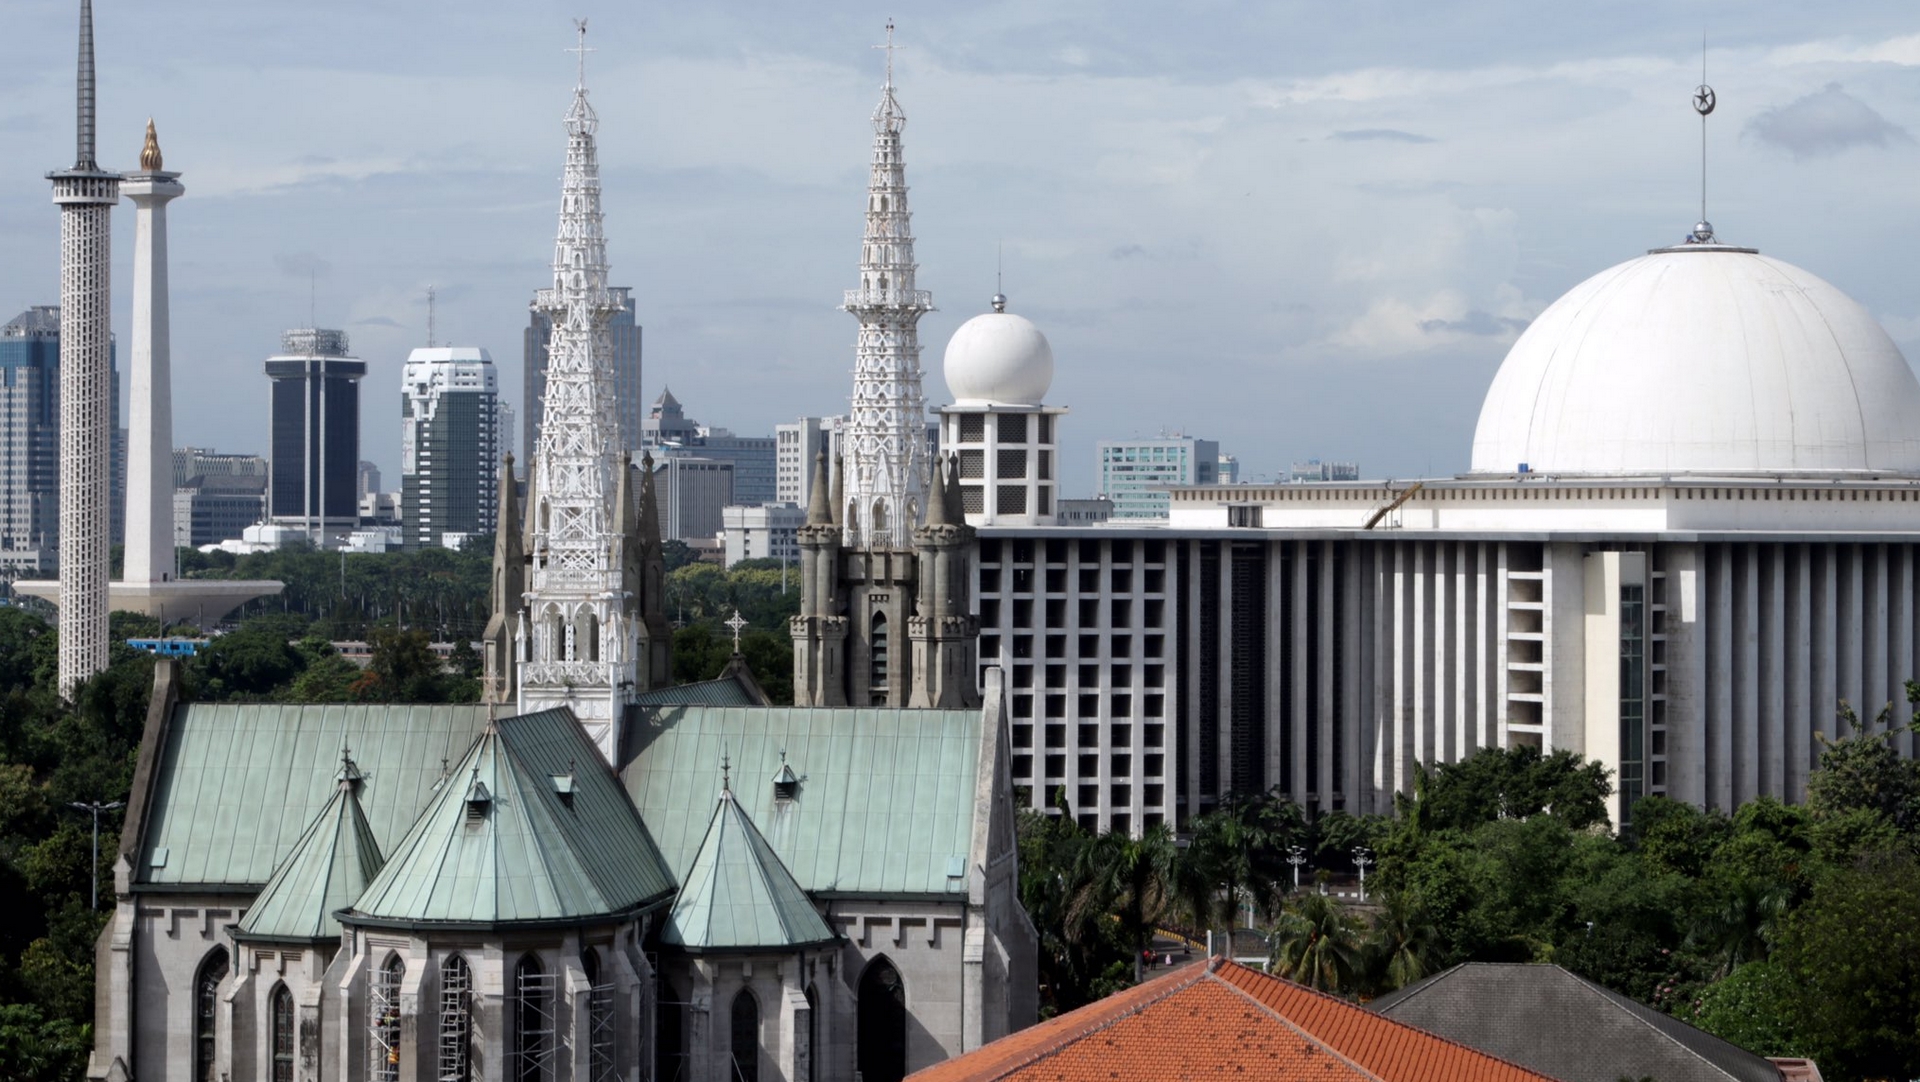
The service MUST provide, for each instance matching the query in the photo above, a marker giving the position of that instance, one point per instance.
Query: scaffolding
(456, 1021)
(383, 1022)
(533, 1037)
(600, 1034)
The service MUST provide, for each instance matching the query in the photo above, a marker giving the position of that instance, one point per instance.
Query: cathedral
(594, 874)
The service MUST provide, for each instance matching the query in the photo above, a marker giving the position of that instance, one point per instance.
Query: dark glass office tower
(316, 433)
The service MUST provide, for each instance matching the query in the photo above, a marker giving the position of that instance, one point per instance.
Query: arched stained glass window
(206, 1006)
(882, 1034)
(746, 1037)
(280, 1033)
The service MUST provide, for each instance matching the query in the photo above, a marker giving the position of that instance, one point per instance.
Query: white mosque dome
(998, 358)
(1702, 359)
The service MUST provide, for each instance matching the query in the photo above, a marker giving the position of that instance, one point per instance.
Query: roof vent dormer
(786, 784)
(479, 800)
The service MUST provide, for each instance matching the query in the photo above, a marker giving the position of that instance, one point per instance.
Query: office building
(1135, 474)
(692, 491)
(1315, 470)
(30, 442)
(669, 429)
(192, 462)
(623, 338)
(451, 443)
(315, 456)
(214, 508)
(767, 532)
(795, 444)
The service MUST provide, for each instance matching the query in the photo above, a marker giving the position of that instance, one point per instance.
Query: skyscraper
(30, 442)
(623, 339)
(451, 441)
(315, 447)
(1134, 473)
(86, 195)
(885, 436)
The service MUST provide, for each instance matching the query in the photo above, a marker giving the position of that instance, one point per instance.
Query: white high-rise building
(452, 436)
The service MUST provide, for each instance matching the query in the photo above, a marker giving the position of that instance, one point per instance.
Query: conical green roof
(329, 867)
(738, 895)
(530, 827)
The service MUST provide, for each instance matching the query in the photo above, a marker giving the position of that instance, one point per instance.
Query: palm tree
(1403, 940)
(1741, 926)
(1129, 879)
(1317, 943)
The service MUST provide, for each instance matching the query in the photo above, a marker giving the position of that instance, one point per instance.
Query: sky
(1301, 229)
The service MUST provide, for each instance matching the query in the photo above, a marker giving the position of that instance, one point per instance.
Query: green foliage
(439, 590)
(1863, 772)
(1511, 783)
(1318, 943)
(703, 597)
(1753, 1007)
(36, 1048)
(1853, 956)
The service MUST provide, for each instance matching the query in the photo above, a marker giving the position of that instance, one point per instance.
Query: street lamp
(1296, 856)
(96, 808)
(1362, 856)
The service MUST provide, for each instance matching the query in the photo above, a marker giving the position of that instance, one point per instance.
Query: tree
(1852, 954)
(251, 663)
(1317, 943)
(1512, 783)
(1864, 771)
(1129, 879)
(1753, 1007)
(1400, 948)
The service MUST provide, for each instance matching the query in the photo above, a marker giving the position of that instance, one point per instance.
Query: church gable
(884, 802)
(234, 786)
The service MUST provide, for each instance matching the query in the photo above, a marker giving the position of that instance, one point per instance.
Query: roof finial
(736, 623)
(580, 26)
(1703, 102)
(430, 342)
(999, 271)
(150, 153)
(889, 47)
(726, 772)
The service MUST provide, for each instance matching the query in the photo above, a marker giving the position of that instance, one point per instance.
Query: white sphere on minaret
(998, 358)
(1003, 437)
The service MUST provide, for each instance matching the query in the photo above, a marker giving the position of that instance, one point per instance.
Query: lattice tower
(86, 195)
(580, 643)
(885, 438)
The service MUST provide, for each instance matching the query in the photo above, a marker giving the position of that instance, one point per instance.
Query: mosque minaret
(885, 441)
(86, 195)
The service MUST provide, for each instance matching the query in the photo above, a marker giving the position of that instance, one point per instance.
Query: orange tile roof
(1220, 1020)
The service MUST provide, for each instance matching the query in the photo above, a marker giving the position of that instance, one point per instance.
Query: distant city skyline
(1300, 231)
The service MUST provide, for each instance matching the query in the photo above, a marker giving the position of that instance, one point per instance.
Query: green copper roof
(329, 866)
(531, 826)
(237, 785)
(738, 896)
(884, 804)
(725, 691)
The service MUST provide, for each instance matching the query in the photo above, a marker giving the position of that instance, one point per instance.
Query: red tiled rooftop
(1218, 1021)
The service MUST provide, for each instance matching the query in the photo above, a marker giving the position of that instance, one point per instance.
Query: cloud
(379, 321)
(302, 265)
(1381, 135)
(1129, 251)
(1475, 322)
(1825, 123)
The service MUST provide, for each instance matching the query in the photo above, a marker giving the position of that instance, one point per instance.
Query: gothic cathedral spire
(583, 639)
(886, 439)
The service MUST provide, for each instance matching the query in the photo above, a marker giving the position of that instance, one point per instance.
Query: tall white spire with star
(578, 642)
(885, 444)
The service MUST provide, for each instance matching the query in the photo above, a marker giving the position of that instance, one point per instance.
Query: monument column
(150, 548)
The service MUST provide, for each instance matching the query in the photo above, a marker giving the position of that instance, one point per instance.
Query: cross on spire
(736, 623)
(582, 49)
(889, 47)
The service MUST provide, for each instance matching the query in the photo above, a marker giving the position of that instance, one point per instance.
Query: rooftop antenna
(999, 269)
(429, 315)
(1703, 103)
(313, 288)
(580, 27)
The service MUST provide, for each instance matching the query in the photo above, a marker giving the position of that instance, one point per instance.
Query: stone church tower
(578, 608)
(886, 609)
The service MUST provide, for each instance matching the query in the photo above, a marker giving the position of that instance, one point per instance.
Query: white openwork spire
(886, 439)
(581, 644)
